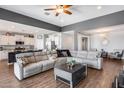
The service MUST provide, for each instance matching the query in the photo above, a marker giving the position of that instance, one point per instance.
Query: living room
(93, 40)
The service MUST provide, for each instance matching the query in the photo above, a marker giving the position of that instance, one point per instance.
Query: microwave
(19, 42)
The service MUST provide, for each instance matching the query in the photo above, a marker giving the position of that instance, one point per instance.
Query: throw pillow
(24, 60)
(65, 54)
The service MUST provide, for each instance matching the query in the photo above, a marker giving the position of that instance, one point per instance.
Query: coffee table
(70, 76)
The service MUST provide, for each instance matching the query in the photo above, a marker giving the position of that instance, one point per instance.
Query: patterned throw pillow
(28, 59)
(24, 61)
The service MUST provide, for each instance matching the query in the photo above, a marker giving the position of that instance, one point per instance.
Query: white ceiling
(7, 26)
(80, 12)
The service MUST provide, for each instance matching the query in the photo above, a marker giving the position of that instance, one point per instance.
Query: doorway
(84, 43)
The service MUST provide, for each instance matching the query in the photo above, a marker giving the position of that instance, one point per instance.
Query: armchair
(116, 55)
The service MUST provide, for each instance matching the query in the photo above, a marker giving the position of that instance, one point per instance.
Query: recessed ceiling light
(99, 7)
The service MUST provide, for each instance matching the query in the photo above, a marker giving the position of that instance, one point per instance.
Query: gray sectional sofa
(28, 64)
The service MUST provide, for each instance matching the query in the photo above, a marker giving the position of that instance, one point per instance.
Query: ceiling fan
(60, 9)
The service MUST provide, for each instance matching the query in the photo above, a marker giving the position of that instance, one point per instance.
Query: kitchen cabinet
(19, 37)
(29, 41)
(4, 40)
(26, 41)
(11, 40)
(32, 41)
(7, 40)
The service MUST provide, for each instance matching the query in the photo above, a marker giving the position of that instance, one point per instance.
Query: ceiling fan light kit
(59, 9)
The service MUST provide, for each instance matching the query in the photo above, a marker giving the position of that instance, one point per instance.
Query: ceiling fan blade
(50, 9)
(67, 6)
(57, 14)
(67, 12)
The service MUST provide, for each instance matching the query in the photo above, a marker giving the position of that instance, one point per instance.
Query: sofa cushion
(32, 68)
(91, 62)
(41, 58)
(82, 54)
(33, 65)
(31, 59)
(92, 55)
(85, 61)
(73, 53)
(44, 57)
(47, 64)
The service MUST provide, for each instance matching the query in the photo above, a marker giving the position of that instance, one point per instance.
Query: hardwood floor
(95, 79)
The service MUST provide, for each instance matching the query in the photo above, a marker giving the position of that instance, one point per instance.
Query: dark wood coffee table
(70, 76)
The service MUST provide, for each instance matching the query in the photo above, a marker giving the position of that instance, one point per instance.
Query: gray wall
(103, 21)
(18, 18)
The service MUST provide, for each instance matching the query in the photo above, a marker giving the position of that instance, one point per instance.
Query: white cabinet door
(26, 40)
(4, 40)
(32, 41)
(19, 38)
(7, 40)
(29, 41)
(11, 40)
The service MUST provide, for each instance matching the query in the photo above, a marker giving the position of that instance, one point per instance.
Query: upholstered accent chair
(117, 54)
